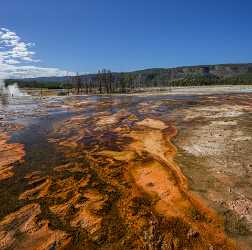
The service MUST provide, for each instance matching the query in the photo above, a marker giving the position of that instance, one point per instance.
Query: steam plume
(11, 90)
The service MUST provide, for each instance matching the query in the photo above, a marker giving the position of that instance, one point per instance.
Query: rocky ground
(215, 149)
(104, 173)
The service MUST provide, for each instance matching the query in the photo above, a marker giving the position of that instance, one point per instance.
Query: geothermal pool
(126, 172)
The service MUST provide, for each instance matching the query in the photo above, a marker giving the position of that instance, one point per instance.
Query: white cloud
(17, 59)
(29, 71)
(15, 49)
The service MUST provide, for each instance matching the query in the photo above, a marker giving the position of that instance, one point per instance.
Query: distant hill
(179, 76)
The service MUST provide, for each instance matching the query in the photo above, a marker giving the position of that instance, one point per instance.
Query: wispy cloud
(17, 58)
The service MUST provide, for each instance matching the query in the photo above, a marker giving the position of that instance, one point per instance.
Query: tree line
(106, 82)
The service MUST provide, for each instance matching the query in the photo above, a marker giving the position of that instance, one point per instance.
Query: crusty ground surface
(130, 173)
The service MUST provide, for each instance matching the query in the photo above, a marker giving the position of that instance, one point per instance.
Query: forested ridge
(106, 81)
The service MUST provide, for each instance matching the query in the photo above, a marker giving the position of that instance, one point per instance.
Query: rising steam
(11, 90)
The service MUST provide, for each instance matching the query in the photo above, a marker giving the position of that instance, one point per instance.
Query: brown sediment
(20, 230)
(151, 186)
(87, 217)
(9, 154)
(156, 142)
(38, 188)
(71, 125)
(111, 119)
(119, 156)
(160, 178)
(115, 185)
(152, 123)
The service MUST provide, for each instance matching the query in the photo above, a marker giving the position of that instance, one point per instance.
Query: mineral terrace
(126, 172)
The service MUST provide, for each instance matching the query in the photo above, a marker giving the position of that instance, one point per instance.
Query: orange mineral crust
(129, 173)
(9, 154)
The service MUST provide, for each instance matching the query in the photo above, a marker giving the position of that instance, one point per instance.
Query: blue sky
(84, 36)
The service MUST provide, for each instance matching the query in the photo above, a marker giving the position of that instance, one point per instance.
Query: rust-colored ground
(106, 175)
(9, 154)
